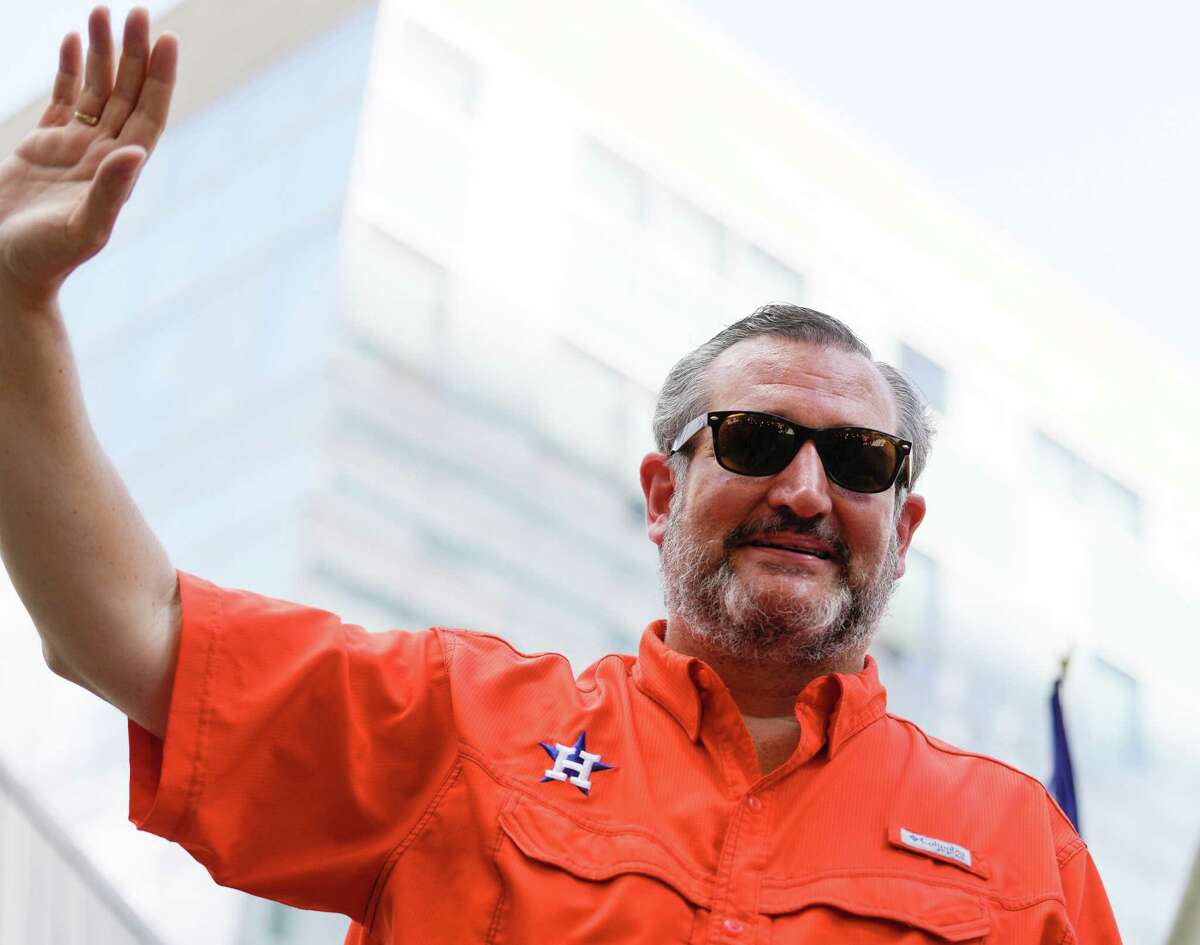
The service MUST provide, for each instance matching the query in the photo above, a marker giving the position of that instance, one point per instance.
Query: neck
(760, 688)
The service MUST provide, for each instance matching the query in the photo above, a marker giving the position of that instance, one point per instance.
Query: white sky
(1075, 126)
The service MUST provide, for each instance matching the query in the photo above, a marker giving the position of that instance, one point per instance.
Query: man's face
(767, 603)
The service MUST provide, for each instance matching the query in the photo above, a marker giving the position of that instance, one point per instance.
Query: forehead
(809, 383)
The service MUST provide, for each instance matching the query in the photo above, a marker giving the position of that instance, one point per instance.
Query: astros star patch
(575, 759)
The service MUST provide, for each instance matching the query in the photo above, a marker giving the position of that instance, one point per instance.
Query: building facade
(391, 348)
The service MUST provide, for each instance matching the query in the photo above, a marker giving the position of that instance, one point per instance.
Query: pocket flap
(953, 915)
(598, 851)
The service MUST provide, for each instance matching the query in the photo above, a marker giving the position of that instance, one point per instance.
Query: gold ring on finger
(87, 119)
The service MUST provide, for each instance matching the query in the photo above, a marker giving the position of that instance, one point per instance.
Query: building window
(598, 423)
(614, 184)
(438, 72)
(678, 239)
(397, 295)
(1057, 466)
(1108, 721)
(689, 232)
(1064, 471)
(927, 374)
(1116, 503)
(769, 279)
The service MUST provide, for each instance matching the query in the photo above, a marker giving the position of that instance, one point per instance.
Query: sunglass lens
(755, 444)
(860, 460)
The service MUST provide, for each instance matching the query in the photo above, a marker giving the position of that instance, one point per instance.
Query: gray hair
(685, 394)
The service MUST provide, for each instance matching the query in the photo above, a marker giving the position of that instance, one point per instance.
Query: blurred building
(382, 328)
(49, 891)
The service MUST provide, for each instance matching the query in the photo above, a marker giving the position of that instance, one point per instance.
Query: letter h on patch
(575, 759)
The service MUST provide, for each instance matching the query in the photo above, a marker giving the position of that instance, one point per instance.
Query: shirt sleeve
(299, 750)
(1087, 903)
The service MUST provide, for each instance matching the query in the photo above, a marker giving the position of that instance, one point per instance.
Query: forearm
(94, 578)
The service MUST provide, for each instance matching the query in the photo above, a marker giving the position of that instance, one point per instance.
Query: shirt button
(754, 803)
(734, 927)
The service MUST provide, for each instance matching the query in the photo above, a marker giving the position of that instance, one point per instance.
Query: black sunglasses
(762, 444)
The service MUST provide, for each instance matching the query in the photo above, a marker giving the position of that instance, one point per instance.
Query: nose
(801, 486)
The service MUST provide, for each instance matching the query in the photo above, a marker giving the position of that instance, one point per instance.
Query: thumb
(93, 220)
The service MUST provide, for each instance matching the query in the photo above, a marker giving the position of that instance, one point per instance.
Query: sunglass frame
(714, 419)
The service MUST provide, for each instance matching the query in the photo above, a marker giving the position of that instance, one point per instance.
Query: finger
(66, 83)
(150, 117)
(131, 73)
(98, 73)
(92, 222)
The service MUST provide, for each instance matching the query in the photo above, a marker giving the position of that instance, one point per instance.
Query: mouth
(804, 550)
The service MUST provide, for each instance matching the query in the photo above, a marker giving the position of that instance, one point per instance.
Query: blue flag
(1062, 780)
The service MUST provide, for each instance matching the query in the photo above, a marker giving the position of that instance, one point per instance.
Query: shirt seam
(1069, 850)
(723, 879)
(449, 644)
(946, 749)
(859, 723)
(498, 910)
(470, 754)
(370, 909)
(663, 704)
(1009, 903)
(196, 780)
(531, 657)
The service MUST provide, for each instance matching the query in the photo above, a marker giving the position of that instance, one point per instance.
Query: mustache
(785, 521)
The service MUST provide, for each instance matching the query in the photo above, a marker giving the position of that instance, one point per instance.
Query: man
(738, 781)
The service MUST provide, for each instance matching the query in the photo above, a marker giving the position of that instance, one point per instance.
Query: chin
(786, 587)
(808, 611)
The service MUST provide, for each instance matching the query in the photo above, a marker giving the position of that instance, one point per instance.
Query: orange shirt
(438, 786)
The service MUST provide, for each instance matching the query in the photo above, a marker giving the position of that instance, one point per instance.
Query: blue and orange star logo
(573, 763)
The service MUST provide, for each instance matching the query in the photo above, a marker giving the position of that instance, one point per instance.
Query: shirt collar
(836, 705)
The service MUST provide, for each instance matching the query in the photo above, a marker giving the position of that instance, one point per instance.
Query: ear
(658, 485)
(911, 515)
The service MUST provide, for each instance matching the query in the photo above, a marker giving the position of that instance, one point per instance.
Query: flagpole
(1062, 774)
(1186, 930)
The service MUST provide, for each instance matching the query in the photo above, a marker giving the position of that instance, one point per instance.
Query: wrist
(16, 295)
(21, 305)
(35, 349)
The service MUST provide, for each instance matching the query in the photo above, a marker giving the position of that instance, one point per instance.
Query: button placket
(735, 899)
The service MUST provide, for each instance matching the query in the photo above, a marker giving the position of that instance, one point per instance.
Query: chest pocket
(873, 909)
(565, 880)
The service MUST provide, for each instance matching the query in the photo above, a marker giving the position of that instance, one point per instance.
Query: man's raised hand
(61, 190)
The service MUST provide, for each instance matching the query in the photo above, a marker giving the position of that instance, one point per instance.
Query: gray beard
(770, 626)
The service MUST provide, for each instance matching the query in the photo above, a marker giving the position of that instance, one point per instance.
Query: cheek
(867, 528)
(725, 503)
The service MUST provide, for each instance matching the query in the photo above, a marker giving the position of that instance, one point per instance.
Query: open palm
(61, 190)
